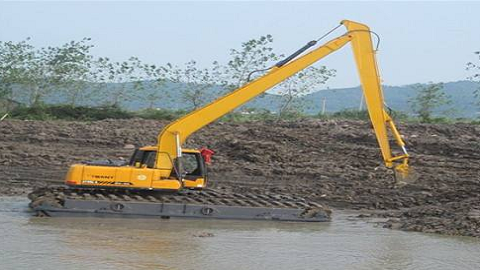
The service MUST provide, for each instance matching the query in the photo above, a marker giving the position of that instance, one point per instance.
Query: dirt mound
(336, 163)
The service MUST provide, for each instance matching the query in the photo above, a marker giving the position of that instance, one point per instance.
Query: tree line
(31, 74)
(71, 71)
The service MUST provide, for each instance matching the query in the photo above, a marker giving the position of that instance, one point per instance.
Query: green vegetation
(68, 82)
(346, 114)
(79, 113)
(67, 112)
(70, 75)
(429, 98)
(159, 114)
(474, 69)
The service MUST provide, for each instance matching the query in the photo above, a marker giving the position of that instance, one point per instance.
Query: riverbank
(336, 163)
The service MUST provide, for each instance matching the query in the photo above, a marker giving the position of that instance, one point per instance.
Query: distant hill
(396, 97)
(461, 93)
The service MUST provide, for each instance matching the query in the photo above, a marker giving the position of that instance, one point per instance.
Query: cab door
(194, 171)
(142, 170)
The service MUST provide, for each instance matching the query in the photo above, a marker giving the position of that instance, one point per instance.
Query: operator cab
(192, 163)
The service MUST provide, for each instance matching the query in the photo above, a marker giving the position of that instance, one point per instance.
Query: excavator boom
(359, 35)
(178, 131)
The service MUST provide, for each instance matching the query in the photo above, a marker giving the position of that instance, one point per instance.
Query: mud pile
(336, 163)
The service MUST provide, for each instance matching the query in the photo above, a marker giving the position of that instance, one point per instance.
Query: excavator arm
(372, 88)
(174, 135)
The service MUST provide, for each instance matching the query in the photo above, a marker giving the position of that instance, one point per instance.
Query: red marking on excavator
(207, 154)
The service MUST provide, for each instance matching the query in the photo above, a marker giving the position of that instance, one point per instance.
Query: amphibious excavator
(120, 189)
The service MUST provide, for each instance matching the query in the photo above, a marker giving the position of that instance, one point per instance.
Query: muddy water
(43, 243)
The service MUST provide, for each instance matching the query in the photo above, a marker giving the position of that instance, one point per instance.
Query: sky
(420, 41)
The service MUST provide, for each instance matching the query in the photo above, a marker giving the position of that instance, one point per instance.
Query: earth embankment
(334, 162)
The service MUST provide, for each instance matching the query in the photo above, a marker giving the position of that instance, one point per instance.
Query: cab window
(136, 157)
(149, 159)
(144, 158)
(191, 165)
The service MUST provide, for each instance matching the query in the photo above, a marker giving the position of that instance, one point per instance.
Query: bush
(249, 115)
(29, 113)
(160, 114)
(438, 120)
(361, 115)
(67, 112)
(350, 114)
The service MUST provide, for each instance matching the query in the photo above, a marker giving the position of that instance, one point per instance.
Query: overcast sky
(420, 41)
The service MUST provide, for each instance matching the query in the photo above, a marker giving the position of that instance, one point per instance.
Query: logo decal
(142, 177)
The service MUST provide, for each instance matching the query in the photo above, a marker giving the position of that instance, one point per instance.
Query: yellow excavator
(168, 166)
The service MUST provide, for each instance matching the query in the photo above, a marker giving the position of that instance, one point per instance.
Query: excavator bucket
(404, 175)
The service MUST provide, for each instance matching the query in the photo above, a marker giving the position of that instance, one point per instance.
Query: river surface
(345, 243)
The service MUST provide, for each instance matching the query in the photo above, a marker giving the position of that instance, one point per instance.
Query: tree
(299, 85)
(429, 97)
(43, 77)
(258, 55)
(15, 59)
(156, 77)
(254, 54)
(194, 83)
(72, 63)
(474, 70)
(36, 73)
(117, 79)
